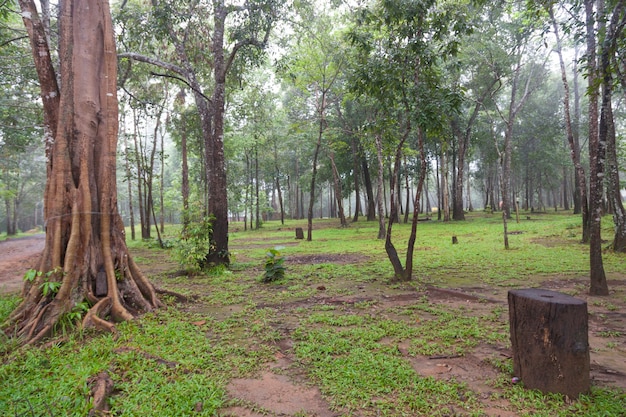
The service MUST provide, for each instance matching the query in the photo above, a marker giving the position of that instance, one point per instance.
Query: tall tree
(314, 68)
(400, 45)
(613, 34)
(597, 149)
(581, 199)
(231, 46)
(85, 259)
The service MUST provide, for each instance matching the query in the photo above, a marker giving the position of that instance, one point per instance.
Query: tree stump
(299, 233)
(549, 337)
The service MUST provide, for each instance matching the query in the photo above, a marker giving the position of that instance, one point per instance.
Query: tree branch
(156, 74)
(248, 42)
(154, 61)
(184, 74)
(3, 44)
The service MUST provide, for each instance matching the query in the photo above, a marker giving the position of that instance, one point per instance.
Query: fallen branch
(445, 356)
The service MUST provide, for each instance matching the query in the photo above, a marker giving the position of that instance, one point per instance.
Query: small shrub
(274, 266)
(194, 245)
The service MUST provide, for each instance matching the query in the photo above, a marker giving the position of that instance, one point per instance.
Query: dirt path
(18, 255)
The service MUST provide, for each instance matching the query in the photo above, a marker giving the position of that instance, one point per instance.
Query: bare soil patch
(18, 255)
(339, 259)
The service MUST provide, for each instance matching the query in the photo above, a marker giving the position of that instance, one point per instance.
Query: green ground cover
(338, 316)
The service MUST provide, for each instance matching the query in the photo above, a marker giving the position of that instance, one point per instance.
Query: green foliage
(31, 274)
(194, 244)
(7, 305)
(68, 321)
(47, 287)
(50, 287)
(274, 266)
(166, 359)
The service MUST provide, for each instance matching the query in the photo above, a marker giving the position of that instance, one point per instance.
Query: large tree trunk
(85, 251)
(218, 195)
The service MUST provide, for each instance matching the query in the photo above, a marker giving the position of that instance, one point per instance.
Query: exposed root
(101, 388)
(93, 316)
(179, 297)
(146, 355)
(146, 288)
(45, 332)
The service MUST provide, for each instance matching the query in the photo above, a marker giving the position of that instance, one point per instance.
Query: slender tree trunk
(379, 195)
(445, 192)
(185, 173)
(145, 222)
(607, 130)
(470, 207)
(598, 284)
(392, 253)
(457, 197)
(420, 185)
(9, 219)
(130, 188)
(338, 192)
(247, 197)
(257, 200)
(369, 191)
(581, 201)
(318, 145)
(356, 175)
(280, 194)
(408, 191)
(565, 190)
(438, 182)
(162, 186)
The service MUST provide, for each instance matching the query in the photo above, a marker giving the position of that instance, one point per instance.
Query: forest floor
(284, 388)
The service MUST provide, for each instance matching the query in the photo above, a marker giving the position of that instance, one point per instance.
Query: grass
(345, 337)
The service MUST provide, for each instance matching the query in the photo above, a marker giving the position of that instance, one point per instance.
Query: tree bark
(580, 201)
(420, 185)
(445, 189)
(356, 174)
(598, 284)
(318, 145)
(607, 129)
(84, 234)
(549, 338)
(185, 173)
(369, 191)
(338, 191)
(130, 188)
(379, 195)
